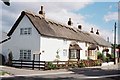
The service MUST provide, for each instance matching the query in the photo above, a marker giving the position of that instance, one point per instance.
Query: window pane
(25, 31)
(64, 52)
(21, 54)
(29, 30)
(21, 31)
(73, 53)
(25, 54)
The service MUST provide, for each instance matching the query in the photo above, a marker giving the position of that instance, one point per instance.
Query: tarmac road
(79, 74)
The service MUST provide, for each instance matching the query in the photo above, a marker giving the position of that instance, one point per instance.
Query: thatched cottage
(48, 40)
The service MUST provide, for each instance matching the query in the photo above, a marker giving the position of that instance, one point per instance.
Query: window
(25, 54)
(86, 53)
(86, 44)
(25, 31)
(64, 52)
(64, 41)
(91, 52)
(73, 54)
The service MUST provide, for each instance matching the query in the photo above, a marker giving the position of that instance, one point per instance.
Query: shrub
(81, 65)
(104, 58)
(97, 63)
(10, 57)
(2, 59)
(107, 59)
(73, 65)
(112, 55)
(99, 55)
(51, 65)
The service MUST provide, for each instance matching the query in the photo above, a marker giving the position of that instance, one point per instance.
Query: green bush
(104, 58)
(107, 59)
(112, 55)
(99, 55)
(73, 65)
(97, 63)
(51, 65)
(81, 65)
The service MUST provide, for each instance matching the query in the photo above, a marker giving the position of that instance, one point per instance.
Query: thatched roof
(53, 29)
(100, 41)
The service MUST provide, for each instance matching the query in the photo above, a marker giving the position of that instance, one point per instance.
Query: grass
(3, 73)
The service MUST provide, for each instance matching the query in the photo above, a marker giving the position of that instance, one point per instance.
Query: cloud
(51, 1)
(10, 14)
(111, 16)
(59, 12)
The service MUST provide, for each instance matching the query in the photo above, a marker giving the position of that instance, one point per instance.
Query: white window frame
(25, 55)
(64, 41)
(73, 54)
(25, 31)
(64, 52)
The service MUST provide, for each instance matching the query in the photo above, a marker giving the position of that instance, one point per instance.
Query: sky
(100, 15)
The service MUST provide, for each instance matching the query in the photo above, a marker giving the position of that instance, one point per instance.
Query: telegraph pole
(114, 43)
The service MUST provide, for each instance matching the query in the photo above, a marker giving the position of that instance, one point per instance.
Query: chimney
(97, 32)
(91, 30)
(80, 27)
(70, 22)
(42, 12)
(107, 39)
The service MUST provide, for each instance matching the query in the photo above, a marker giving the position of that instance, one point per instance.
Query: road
(78, 74)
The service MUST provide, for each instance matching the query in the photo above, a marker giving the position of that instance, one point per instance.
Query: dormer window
(25, 31)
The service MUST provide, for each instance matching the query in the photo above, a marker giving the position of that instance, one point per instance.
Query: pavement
(28, 72)
(108, 70)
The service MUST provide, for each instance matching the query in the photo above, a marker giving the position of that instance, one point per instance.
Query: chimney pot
(41, 8)
(91, 30)
(70, 22)
(41, 11)
(80, 27)
(97, 32)
(107, 39)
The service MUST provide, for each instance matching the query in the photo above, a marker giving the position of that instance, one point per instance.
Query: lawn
(2, 73)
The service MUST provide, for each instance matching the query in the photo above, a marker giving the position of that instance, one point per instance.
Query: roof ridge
(53, 21)
(30, 12)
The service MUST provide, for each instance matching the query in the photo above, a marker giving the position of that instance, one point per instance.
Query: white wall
(36, 43)
(82, 52)
(18, 42)
(50, 47)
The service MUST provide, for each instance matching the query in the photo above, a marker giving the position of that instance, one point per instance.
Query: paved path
(28, 72)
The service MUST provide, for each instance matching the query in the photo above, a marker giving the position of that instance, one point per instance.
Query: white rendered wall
(82, 52)
(49, 47)
(25, 42)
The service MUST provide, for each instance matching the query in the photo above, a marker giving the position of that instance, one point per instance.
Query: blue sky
(95, 14)
(99, 15)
